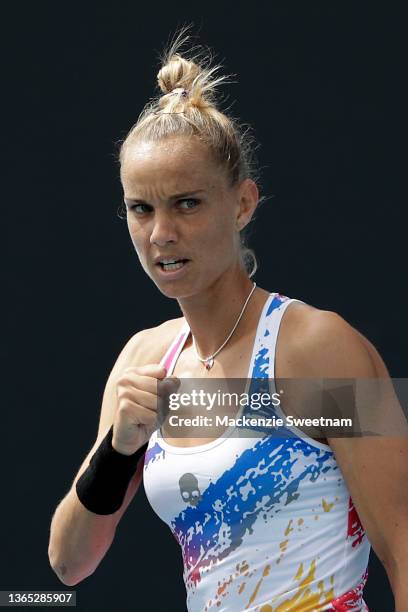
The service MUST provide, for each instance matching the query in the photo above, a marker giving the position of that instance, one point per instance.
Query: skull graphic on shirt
(189, 490)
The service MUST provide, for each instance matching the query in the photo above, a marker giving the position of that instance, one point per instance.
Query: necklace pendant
(209, 363)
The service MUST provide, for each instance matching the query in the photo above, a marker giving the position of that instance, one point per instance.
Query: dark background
(321, 84)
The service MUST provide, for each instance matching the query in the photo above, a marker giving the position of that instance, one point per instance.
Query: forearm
(79, 539)
(398, 577)
(400, 591)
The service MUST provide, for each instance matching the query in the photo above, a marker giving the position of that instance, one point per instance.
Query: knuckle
(131, 369)
(123, 409)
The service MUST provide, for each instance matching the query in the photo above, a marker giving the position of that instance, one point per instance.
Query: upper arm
(375, 468)
(107, 416)
(109, 399)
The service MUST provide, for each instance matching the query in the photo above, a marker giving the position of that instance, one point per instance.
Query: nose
(163, 230)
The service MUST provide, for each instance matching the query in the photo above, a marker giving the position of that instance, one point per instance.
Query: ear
(248, 197)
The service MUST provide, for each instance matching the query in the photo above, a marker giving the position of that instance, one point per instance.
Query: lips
(173, 271)
(168, 260)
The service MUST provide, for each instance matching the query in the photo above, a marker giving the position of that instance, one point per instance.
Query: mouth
(172, 265)
(173, 270)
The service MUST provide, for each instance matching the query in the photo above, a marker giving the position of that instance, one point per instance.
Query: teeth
(173, 266)
(168, 261)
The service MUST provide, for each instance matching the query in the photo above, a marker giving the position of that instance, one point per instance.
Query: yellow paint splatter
(299, 572)
(304, 600)
(283, 545)
(255, 592)
(289, 528)
(300, 521)
(326, 506)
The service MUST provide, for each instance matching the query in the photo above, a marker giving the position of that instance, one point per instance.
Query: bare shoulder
(149, 345)
(288, 359)
(322, 343)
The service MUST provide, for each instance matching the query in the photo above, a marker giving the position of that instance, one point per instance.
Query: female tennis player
(280, 520)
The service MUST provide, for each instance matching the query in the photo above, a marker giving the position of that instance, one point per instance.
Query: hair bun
(178, 72)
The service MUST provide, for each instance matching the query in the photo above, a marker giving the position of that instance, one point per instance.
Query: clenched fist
(142, 395)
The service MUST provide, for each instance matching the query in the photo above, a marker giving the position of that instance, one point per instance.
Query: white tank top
(264, 523)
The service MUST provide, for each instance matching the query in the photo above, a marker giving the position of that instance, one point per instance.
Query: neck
(212, 314)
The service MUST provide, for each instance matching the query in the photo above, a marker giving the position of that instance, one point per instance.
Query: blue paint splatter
(261, 480)
(153, 454)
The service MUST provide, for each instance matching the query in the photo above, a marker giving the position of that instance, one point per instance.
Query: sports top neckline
(175, 350)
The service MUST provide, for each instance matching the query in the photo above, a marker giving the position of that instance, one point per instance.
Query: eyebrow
(176, 196)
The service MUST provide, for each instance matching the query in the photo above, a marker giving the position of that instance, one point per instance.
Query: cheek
(218, 244)
(140, 245)
(137, 236)
(221, 234)
(220, 225)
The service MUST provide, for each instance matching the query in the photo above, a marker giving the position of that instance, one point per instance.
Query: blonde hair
(187, 107)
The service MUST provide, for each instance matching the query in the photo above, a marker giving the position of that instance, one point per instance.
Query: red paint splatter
(352, 600)
(195, 576)
(355, 529)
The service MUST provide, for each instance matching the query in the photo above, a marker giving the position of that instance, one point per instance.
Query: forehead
(177, 162)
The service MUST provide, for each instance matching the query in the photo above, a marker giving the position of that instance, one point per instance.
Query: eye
(186, 204)
(193, 202)
(140, 208)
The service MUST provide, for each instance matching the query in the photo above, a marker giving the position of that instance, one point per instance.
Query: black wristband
(102, 486)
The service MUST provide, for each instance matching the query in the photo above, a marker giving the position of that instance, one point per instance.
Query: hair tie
(181, 91)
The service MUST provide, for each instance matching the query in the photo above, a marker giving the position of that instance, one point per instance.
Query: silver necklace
(209, 361)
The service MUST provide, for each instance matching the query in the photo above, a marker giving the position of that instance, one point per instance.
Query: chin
(177, 289)
(174, 288)
(175, 292)
(187, 286)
